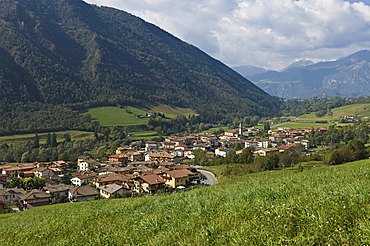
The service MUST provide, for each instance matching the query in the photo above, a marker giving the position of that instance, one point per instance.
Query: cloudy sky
(265, 33)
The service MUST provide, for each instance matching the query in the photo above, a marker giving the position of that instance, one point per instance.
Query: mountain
(346, 77)
(247, 71)
(73, 53)
(300, 63)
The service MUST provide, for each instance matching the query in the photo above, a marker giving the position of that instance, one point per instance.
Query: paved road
(208, 178)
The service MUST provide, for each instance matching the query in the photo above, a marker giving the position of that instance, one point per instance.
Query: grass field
(300, 125)
(319, 206)
(172, 112)
(360, 110)
(75, 135)
(309, 120)
(147, 135)
(215, 129)
(115, 116)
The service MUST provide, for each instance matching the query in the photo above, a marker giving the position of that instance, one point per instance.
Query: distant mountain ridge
(346, 77)
(247, 71)
(68, 52)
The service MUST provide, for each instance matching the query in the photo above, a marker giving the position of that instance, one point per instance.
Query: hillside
(70, 52)
(319, 206)
(346, 77)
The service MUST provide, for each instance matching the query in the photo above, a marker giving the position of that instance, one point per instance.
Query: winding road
(208, 178)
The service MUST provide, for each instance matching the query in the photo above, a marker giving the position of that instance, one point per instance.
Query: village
(139, 168)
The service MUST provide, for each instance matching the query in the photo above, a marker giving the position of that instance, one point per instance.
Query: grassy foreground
(319, 206)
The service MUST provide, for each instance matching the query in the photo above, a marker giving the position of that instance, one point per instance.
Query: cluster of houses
(139, 167)
(117, 177)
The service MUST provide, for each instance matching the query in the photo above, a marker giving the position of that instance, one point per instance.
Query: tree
(36, 141)
(54, 142)
(200, 158)
(238, 146)
(15, 183)
(266, 126)
(48, 140)
(67, 138)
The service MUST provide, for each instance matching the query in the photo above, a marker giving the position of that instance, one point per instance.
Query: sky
(263, 33)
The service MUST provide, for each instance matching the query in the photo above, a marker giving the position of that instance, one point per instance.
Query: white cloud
(268, 33)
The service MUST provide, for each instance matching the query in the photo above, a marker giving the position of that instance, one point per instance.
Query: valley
(111, 129)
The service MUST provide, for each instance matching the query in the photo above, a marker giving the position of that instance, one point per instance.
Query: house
(35, 198)
(136, 145)
(110, 190)
(166, 164)
(83, 178)
(122, 180)
(3, 180)
(122, 150)
(151, 145)
(116, 170)
(3, 168)
(11, 195)
(284, 147)
(59, 192)
(182, 166)
(265, 151)
(141, 169)
(250, 143)
(222, 151)
(189, 153)
(86, 165)
(135, 156)
(118, 158)
(82, 193)
(18, 170)
(210, 155)
(201, 146)
(43, 172)
(163, 157)
(176, 178)
(148, 183)
(58, 164)
(54, 180)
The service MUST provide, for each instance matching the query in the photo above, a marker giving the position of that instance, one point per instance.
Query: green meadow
(75, 135)
(172, 112)
(127, 116)
(362, 111)
(319, 206)
(145, 135)
(215, 129)
(115, 116)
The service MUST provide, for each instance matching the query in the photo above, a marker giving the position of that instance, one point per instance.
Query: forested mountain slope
(70, 52)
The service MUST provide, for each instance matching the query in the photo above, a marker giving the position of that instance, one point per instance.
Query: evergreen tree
(36, 141)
